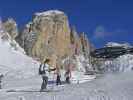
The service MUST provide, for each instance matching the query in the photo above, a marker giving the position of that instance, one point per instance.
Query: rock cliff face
(86, 45)
(76, 44)
(10, 26)
(49, 35)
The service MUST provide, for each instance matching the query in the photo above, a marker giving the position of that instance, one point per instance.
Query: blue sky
(102, 20)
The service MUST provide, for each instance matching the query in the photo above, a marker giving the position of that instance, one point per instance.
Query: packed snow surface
(116, 86)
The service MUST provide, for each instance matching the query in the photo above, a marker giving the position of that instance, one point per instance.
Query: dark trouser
(68, 80)
(0, 85)
(58, 81)
(44, 83)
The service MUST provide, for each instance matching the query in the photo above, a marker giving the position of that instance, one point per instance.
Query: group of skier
(44, 71)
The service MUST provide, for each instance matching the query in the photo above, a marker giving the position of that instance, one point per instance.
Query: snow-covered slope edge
(13, 61)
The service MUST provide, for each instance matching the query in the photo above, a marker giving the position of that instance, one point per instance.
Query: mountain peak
(49, 12)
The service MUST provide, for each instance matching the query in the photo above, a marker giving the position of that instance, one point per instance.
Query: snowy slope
(109, 87)
(14, 61)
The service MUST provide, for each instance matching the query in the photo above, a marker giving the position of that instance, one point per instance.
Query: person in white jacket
(44, 70)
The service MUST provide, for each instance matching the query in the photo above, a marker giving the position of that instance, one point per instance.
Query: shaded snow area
(109, 87)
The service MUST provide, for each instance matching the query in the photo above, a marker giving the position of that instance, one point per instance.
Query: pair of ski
(31, 90)
(46, 90)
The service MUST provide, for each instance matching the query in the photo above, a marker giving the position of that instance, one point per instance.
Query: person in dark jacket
(1, 76)
(58, 79)
(68, 75)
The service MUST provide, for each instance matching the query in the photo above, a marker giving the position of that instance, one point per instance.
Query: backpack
(40, 69)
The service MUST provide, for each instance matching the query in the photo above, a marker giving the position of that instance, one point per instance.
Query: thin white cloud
(102, 35)
(99, 32)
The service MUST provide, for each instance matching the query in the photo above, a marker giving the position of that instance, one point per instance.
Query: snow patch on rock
(50, 12)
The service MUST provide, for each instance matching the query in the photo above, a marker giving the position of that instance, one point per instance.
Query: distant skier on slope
(68, 76)
(58, 80)
(1, 76)
(44, 70)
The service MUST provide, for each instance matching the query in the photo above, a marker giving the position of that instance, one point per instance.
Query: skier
(68, 75)
(58, 80)
(44, 70)
(1, 76)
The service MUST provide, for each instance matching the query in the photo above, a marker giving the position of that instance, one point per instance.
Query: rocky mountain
(10, 26)
(49, 35)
